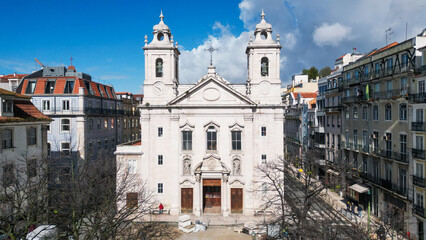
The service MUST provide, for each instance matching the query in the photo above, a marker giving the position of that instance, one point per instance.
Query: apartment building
(417, 102)
(23, 148)
(130, 129)
(376, 131)
(86, 114)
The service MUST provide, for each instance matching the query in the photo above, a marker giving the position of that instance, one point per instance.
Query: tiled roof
(383, 48)
(60, 83)
(341, 57)
(137, 143)
(308, 94)
(9, 93)
(6, 78)
(25, 111)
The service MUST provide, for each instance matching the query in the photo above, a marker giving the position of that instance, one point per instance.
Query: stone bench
(157, 211)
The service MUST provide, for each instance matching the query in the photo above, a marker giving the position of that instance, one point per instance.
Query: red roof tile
(383, 48)
(24, 86)
(6, 78)
(95, 89)
(109, 92)
(41, 83)
(60, 86)
(341, 57)
(137, 143)
(308, 94)
(25, 111)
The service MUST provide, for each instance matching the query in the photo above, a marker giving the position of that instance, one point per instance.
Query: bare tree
(23, 194)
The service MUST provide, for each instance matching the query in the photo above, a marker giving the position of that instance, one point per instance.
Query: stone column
(197, 195)
(225, 207)
(252, 159)
(174, 154)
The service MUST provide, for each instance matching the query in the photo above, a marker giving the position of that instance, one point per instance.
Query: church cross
(211, 50)
(71, 60)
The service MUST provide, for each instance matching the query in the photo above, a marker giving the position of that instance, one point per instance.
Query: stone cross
(211, 50)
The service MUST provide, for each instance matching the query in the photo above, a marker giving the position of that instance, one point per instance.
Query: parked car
(43, 232)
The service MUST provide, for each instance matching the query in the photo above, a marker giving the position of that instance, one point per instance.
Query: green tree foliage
(311, 72)
(325, 71)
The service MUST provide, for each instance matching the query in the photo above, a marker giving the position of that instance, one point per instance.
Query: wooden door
(186, 198)
(236, 200)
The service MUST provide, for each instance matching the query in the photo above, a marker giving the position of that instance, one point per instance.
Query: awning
(333, 172)
(359, 188)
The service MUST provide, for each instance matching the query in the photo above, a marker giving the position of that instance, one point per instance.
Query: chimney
(14, 74)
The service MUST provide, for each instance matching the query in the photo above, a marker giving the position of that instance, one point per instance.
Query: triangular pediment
(211, 91)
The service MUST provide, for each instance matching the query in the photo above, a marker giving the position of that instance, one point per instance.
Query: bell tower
(161, 65)
(263, 56)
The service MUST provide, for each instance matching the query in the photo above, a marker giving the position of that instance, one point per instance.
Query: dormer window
(31, 87)
(264, 67)
(69, 86)
(50, 86)
(7, 106)
(159, 67)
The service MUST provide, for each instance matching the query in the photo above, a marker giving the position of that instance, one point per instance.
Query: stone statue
(197, 177)
(187, 167)
(237, 167)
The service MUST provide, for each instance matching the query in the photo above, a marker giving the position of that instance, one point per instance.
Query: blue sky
(105, 38)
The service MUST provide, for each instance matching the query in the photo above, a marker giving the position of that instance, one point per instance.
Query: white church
(201, 142)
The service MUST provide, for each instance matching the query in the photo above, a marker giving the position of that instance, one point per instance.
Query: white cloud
(331, 34)
(230, 58)
(18, 66)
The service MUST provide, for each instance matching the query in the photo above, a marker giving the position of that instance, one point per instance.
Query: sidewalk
(338, 203)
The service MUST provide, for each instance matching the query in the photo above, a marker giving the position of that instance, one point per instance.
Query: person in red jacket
(161, 207)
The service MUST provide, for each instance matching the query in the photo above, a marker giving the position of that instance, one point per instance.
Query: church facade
(201, 142)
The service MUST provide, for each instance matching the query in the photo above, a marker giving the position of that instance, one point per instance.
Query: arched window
(264, 67)
(211, 138)
(159, 67)
(388, 112)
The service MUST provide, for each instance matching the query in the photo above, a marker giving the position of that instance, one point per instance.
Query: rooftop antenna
(388, 33)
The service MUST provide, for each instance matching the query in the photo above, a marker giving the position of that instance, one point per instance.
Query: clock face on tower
(158, 88)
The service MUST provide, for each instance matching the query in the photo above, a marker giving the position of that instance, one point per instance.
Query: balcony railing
(418, 153)
(418, 126)
(419, 210)
(332, 91)
(417, 98)
(418, 181)
(398, 156)
(333, 109)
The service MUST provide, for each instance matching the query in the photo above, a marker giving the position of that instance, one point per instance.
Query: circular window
(263, 35)
(160, 36)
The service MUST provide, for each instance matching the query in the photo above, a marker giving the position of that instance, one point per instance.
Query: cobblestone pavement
(215, 233)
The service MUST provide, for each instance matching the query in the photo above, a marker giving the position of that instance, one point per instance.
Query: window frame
(388, 112)
(211, 138)
(62, 125)
(160, 132)
(263, 131)
(4, 141)
(31, 140)
(236, 143)
(403, 112)
(186, 140)
(66, 107)
(160, 188)
(160, 160)
(65, 149)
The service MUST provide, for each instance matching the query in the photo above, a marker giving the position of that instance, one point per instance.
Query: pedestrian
(161, 207)
(353, 208)
(348, 206)
(359, 211)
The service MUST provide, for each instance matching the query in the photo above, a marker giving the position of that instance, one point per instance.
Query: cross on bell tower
(211, 50)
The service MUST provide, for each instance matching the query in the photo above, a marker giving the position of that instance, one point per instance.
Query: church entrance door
(236, 200)
(186, 200)
(211, 196)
